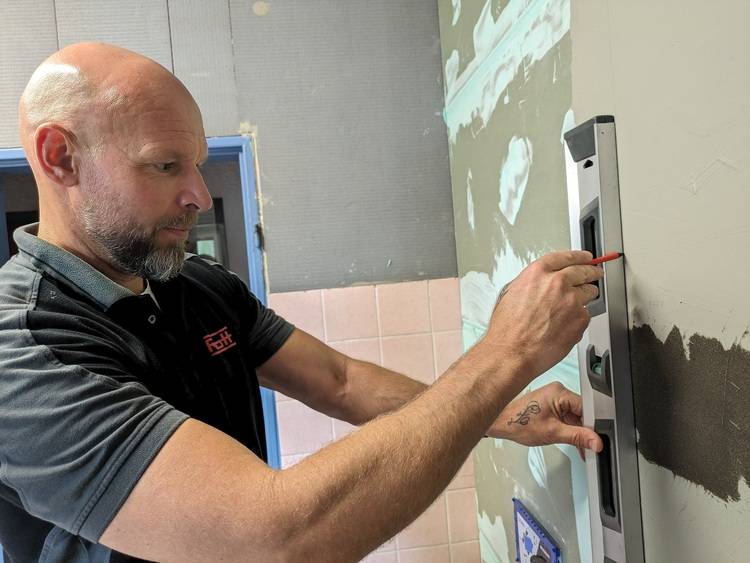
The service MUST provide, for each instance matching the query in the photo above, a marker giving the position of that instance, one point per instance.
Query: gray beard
(132, 251)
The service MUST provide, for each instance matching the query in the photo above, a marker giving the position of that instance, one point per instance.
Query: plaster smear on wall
(525, 31)
(505, 109)
(456, 11)
(514, 177)
(470, 203)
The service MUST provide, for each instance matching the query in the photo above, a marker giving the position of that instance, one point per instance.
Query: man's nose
(195, 194)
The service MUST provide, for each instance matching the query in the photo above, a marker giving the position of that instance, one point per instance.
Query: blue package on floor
(533, 543)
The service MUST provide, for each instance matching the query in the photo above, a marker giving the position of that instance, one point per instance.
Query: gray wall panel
(202, 52)
(139, 25)
(347, 101)
(27, 37)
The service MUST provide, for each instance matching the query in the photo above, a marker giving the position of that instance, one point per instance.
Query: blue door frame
(236, 148)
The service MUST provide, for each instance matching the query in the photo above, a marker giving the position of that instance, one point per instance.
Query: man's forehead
(159, 129)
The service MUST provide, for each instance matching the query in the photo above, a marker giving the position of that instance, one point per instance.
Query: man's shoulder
(212, 276)
(19, 282)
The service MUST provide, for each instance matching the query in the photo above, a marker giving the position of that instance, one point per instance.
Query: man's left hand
(548, 415)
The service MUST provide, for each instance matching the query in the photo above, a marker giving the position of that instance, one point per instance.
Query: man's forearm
(372, 390)
(388, 472)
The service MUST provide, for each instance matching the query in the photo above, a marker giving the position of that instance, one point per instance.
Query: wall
(345, 99)
(508, 99)
(676, 77)
(413, 328)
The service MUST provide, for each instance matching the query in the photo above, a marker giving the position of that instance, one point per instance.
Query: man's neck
(87, 253)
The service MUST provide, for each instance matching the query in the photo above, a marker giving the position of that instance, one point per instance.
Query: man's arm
(357, 391)
(330, 382)
(205, 497)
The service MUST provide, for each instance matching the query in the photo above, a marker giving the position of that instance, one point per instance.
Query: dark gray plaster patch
(693, 411)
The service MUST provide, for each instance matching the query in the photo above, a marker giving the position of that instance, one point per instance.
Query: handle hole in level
(606, 477)
(591, 241)
(588, 164)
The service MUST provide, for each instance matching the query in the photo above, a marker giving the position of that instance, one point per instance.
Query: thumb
(581, 437)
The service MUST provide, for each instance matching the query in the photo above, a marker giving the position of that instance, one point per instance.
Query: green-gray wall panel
(352, 146)
(508, 99)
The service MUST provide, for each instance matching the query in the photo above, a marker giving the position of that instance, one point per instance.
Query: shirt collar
(68, 268)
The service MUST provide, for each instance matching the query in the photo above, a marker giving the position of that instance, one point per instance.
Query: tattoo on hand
(502, 293)
(523, 417)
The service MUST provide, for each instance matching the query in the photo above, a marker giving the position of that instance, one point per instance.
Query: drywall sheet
(203, 60)
(139, 25)
(508, 99)
(346, 99)
(27, 36)
(678, 90)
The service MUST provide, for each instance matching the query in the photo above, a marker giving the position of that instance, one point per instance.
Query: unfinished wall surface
(345, 99)
(676, 76)
(508, 99)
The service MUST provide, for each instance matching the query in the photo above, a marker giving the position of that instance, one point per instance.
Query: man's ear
(55, 153)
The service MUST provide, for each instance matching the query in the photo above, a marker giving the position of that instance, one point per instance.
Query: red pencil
(606, 258)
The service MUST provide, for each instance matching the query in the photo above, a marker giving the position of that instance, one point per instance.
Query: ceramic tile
(301, 308)
(466, 552)
(429, 529)
(448, 349)
(403, 308)
(462, 515)
(410, 355)
(465, 477)
(350, 313)
(445, 305)
(301, 429)
(437, 554)
(367, 350)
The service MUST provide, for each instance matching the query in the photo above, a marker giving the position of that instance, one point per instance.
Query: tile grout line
(376, 294)
(323, 315)
(325, 339)
(435, 373)
(448, 526)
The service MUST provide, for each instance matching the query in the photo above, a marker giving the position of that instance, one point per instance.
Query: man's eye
(164, 166)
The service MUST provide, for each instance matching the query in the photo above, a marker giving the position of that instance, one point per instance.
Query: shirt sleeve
(76, 438)
(267, 331)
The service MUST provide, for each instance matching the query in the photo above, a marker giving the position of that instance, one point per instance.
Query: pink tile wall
(411, 327)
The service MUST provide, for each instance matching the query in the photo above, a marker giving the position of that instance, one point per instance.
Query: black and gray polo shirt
(94, 379)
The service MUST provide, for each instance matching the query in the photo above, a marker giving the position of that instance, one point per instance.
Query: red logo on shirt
(219, 342)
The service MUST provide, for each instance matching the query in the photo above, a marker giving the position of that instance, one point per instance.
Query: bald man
(129, 373)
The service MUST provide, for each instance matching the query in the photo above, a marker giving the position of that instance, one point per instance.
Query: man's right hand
(541, 314)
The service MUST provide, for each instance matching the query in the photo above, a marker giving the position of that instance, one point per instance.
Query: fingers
(571, 403)
(581, 437)
(579, 275)
(559, 260)
(586, 293)
(592, 440)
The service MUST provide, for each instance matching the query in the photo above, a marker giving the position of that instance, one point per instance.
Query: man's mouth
(180, 232)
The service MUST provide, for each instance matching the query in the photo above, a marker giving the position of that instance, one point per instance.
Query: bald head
(115, 142)
(82, 86)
